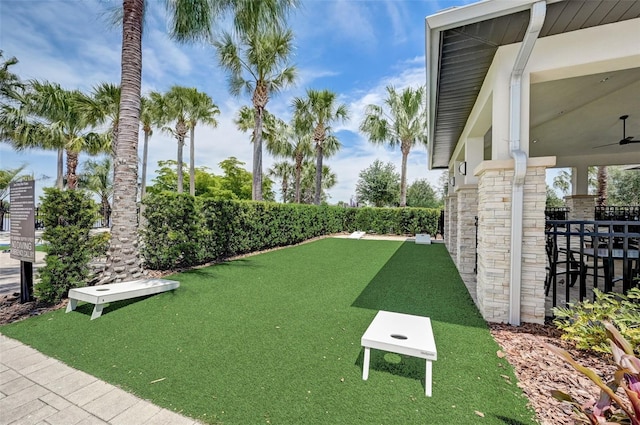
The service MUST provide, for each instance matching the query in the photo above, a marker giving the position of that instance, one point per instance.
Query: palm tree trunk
(59, 178)
(298, 177)
(403, 178)
(72, 165)
(601, 200)
(181, 131)
(318, 174)
(123, 260)
(192, 167)
(256, 191)
(145, 153)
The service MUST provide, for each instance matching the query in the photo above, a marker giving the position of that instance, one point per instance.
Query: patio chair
(561, 262)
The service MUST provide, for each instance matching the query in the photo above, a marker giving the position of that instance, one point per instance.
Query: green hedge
(183, 231)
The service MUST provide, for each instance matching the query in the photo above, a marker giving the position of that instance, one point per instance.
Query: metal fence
(556, 213)
(620, 213)
(101, 220)
(582, 255)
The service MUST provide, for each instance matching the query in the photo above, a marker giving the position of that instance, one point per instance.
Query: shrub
(581, 322)
(68, 219)
(183, 231)
(610, 407)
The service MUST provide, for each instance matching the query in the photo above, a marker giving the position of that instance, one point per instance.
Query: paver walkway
(36, 389)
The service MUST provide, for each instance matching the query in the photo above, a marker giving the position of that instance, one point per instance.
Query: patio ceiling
(587, 117)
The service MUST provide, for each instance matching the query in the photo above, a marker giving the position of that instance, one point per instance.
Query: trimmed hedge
(183, 231)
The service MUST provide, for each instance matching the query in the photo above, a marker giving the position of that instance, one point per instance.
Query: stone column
(494, 240)
(452, 234)
(466, 238)
(581, 207)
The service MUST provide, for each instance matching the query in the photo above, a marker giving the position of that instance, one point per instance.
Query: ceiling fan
(625, 139)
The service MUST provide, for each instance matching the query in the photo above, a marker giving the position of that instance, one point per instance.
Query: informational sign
(23, 229)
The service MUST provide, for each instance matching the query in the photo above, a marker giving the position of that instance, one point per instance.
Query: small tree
(420, 194)
(68, 218)
(379, 184)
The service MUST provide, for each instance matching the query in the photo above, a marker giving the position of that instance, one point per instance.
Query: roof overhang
(461, 44)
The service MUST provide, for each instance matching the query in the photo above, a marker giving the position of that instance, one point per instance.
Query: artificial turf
(275, 339)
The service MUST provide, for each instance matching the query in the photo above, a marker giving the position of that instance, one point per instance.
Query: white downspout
(538, 12)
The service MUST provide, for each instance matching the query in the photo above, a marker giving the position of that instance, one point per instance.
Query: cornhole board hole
(102, 294)
(402, 334)
(423, 238)
(356, 235)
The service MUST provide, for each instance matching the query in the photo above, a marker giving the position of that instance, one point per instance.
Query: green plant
(610, 408)
(581, 322)
(68, 218)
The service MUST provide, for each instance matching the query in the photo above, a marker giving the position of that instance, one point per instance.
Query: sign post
(23, 233)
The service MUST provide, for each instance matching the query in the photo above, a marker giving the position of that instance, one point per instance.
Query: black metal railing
(102, 219)
(556, 213)
(619, 213)
(587, 253)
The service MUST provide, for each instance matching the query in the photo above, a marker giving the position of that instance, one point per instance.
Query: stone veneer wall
(494, 240)
(452, 234)
(466, 251)
(581, 207)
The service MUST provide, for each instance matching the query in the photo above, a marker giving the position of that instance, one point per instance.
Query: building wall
(466, 239)
(494, 241)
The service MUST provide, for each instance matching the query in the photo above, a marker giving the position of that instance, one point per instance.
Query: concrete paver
(36, 389)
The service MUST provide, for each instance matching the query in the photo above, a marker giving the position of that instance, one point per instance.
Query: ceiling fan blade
(628, 140)
(609, 144)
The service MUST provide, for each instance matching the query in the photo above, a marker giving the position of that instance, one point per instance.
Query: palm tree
(191, 19)
(149, 118)
(123, 260)
(96, 178)
(282, 170)
(103, 106)
(258, 62)
(9, 81)
(53, 119)
(200, 109)
(603, 176)
(173, 107)
(308, 189)
(403, 123)
(316, 114)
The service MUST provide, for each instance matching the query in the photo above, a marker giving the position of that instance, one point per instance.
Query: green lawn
(275, 338)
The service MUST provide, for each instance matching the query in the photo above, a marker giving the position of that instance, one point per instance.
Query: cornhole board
(102, 294)
(423, 238)
(402, 334)
(357, 235)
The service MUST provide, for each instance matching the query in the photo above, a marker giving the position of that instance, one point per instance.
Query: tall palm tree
(200, 109)
(9, 81)
(58, 122)
(149, 118)
(308, 189)
(96, 178)
(258, 63)
(403, 122)
(292, 141)
(174, 106)
(282, 170)
(603, 176)
(316, 113)
(123, 261)
(191, 19)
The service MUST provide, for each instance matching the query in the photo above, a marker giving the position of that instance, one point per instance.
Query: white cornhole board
(102, 294)
(357, 235)
(403, 334)
(423, 238)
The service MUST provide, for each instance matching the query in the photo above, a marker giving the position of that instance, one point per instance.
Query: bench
(102, 294)
(402, 334)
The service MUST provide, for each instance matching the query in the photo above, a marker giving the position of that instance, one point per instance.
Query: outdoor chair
(561, 262)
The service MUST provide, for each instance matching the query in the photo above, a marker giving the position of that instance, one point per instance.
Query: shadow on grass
(421, 280)
(395, 364)
(87, 308)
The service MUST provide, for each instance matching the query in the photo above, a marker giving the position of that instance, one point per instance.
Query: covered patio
(516, 88)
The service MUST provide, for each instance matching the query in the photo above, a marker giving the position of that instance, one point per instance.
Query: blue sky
(354, 48)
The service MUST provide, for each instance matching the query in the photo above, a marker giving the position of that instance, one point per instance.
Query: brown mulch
(539, 371)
